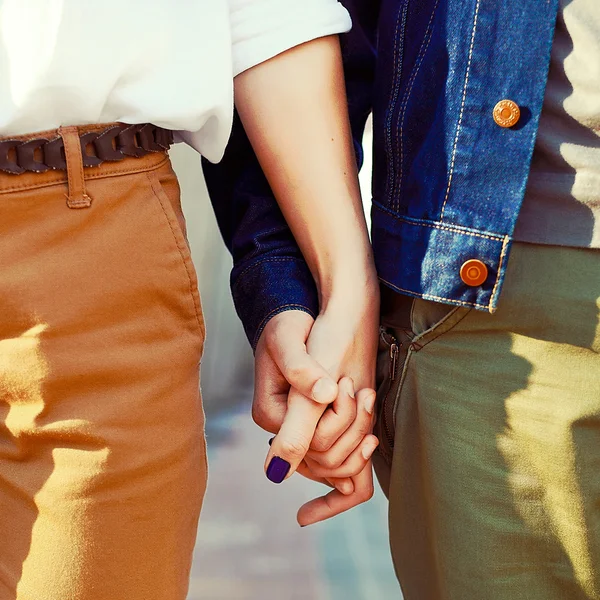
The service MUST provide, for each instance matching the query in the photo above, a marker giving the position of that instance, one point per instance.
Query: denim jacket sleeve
(269, 273)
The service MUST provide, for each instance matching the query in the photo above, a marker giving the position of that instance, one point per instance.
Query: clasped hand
(314, 389)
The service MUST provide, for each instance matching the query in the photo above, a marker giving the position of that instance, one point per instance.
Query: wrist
(351, 293)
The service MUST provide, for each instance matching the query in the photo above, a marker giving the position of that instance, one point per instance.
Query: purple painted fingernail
(278, 469)
(271, 441)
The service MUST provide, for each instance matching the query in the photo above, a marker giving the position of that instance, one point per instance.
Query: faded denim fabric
(448, 182)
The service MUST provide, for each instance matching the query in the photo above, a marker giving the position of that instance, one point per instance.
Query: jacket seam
(462, 109)
(268, 259)
(398, 51)
(399, 168)
(274, 313)
(500, 263)
(433, 297)
(443, 227)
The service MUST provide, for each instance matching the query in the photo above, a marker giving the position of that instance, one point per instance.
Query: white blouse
(167, 62)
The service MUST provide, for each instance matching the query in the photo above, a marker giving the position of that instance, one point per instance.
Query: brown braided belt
(115, 143)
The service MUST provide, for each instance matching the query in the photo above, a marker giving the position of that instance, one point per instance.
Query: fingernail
(324, 390)
(367, 451)
(345, 487)
(350, 387)
(370, 404)
(278, 469)
(271, 441)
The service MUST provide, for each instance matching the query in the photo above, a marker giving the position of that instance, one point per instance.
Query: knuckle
(330, 461)
(353, 411)
(294, 372)
(258, 415)
(271, 340)
(275, 338)
(353, 470)
(321, 442)
(294, 447)
(346, 420)
(365, 427)
(366, 493)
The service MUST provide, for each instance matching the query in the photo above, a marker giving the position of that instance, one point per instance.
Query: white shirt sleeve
(262, 29)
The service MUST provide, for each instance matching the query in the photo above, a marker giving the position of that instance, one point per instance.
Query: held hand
(348, 457)
(347, 445)
(339, 440)
(343, 340)
(284, 338)
(281, 358)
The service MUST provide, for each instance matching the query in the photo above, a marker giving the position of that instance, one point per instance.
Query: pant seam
(185, 259)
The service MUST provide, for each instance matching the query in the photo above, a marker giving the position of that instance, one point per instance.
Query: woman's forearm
(294, 111)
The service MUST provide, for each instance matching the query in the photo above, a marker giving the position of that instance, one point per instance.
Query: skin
(314, 378)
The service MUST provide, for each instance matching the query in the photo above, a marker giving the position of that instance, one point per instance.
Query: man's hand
(281, 356)
(345, 343)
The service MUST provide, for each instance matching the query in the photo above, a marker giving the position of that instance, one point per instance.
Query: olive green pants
(490, 436)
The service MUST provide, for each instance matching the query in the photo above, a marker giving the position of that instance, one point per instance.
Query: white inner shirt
(167, 62)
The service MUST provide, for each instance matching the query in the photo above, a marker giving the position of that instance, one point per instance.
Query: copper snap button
(473, 272)
(506, 113)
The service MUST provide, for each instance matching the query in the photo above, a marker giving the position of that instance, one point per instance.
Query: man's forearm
(294, 111)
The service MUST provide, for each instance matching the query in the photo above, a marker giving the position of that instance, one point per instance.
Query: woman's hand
(343, 342)
(345, 466)
(294, 111)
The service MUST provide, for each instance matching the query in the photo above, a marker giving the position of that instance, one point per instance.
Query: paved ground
(250, 547)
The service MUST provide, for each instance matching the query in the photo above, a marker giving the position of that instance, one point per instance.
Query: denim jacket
(448, 180)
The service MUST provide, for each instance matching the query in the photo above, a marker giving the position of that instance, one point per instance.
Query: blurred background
(249, 544)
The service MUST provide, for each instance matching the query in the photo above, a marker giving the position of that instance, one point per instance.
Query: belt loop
(77, 197)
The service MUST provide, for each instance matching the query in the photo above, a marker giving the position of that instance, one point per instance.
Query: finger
(353, 436)
(293, 440)
(334, 502)
(344, 485)
(268, 412)
(337, 418)
(352, 466)
(271, 391)
(285, 342)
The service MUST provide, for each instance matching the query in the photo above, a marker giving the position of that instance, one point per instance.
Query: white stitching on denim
(451, 229)
(442, 227)
(411, 83)
(397, 79)
(502, 257)
(433, 297)
(462, 109)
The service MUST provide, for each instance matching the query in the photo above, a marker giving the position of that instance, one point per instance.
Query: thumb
(290, 445)
(286, 344)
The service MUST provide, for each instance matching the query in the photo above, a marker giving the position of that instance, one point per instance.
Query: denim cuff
(269, 287)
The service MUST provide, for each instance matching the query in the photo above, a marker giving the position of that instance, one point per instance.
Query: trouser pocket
(408, 325)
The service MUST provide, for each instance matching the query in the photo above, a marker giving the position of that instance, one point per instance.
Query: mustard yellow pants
(490, 429)
(102, 453)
